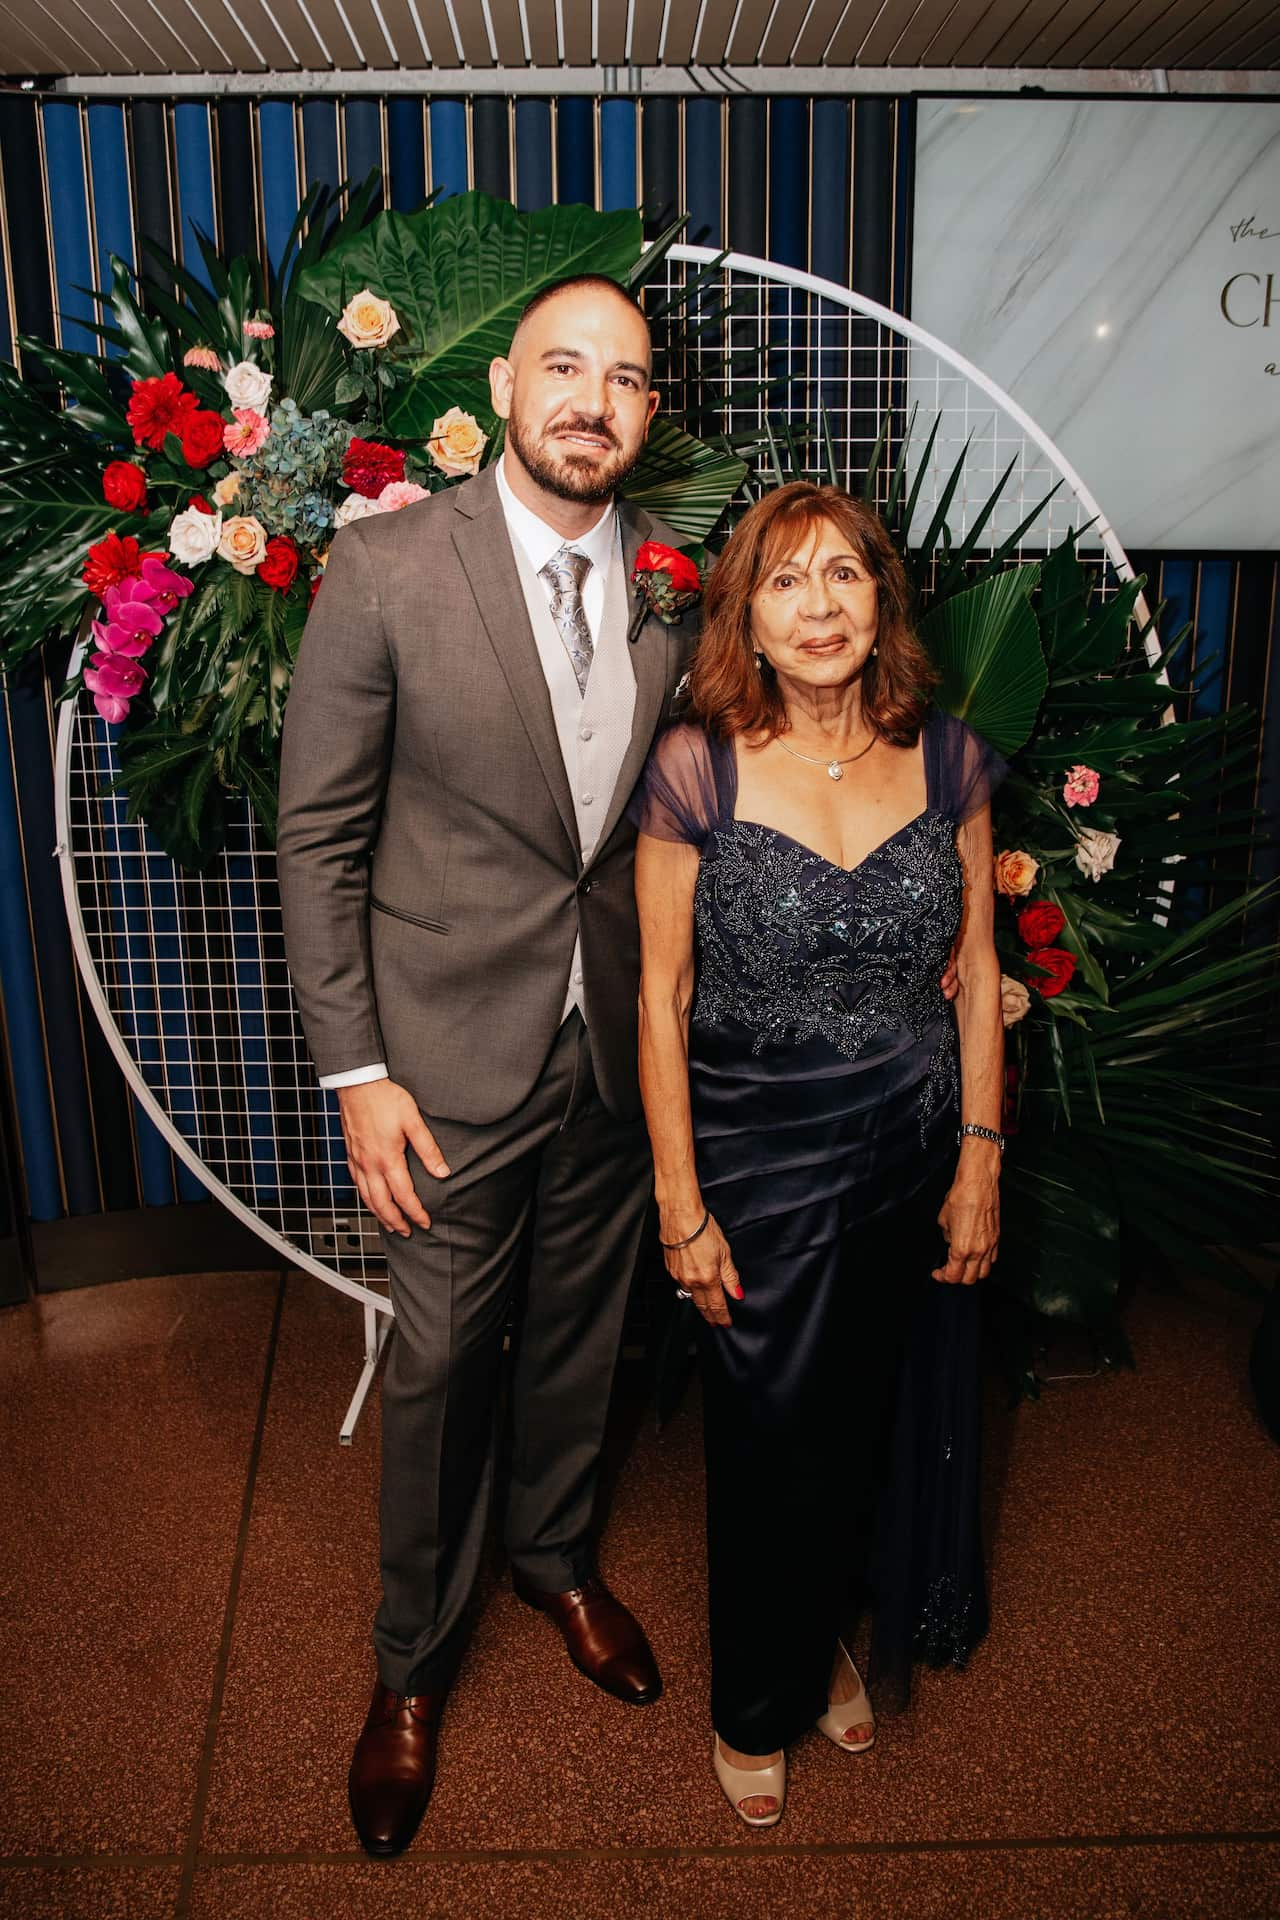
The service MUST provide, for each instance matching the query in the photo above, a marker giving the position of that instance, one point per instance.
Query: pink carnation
(259, 330)
(250, 432)
(1081, 787)
(204, 357)
(113, 681)
(400, 493)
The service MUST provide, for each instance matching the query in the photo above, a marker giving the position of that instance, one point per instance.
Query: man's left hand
(950, 982)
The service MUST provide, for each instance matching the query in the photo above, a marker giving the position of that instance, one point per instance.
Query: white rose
(1096, 851)
(1014, 1000)
(368, 321)
(356, 506)
(194, 536)
(248, 386)
(243, 542)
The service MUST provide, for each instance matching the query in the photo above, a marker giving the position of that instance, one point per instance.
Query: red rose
(110, 561)
(368, 467)
(159, 407)
(653, 557)
(280, 566)
(201, 505)
(1057, 966)
(124, 485)
(1041, 923)
(201, 437)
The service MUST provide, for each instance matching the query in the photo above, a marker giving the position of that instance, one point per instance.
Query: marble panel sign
(1115, 267)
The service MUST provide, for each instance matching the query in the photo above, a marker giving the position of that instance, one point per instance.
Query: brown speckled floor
(189, 1570)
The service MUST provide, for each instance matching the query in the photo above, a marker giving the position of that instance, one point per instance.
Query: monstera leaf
(458, 275)
(684, 481)
(985, 642)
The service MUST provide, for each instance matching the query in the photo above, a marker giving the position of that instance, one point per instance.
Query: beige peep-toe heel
(837, 1720)
(739, 1784)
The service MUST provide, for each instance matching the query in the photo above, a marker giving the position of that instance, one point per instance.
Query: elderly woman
(825, 1126)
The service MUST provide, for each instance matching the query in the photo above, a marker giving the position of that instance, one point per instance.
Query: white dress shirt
(536, 542)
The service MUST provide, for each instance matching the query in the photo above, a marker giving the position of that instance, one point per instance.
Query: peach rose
(457, 442)
(367, 321)
(1015, 874)
(243, 542)
(227, 489)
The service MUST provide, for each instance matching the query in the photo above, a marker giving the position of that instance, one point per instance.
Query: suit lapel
(484, 548)
(650, 651)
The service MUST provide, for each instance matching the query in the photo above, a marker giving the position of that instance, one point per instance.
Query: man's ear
(653, 408)
(502, 376)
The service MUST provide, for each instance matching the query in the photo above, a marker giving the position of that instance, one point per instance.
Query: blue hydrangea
(289, 483)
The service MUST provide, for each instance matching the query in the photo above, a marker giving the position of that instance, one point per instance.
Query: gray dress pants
(581, 1178)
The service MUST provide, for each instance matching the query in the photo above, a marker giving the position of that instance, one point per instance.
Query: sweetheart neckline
(779, 833)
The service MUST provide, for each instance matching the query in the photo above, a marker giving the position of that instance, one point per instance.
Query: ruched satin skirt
(842, 1414)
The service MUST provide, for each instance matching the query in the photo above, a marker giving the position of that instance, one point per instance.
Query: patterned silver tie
(564, 573)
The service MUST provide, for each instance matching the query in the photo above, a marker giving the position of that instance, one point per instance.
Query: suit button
(585, 886)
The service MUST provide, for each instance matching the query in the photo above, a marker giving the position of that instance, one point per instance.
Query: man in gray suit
(475, 695)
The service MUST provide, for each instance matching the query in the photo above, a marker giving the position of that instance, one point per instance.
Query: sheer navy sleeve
(678, 795)
(967, 769)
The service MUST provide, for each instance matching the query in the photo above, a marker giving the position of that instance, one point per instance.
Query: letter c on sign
(1226, 290)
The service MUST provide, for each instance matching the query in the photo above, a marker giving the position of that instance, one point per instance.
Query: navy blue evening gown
(841, 1407)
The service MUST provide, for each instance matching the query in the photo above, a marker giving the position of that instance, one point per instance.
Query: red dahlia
(201, 437)
(159, 407)
(368, 467)
(111, 561)
(124, 485)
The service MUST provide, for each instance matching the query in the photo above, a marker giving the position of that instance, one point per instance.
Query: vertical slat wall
(823, 184)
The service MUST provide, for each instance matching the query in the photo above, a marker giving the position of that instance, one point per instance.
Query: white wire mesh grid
(187, 972)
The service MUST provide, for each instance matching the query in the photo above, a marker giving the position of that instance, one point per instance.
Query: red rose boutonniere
(668, 579)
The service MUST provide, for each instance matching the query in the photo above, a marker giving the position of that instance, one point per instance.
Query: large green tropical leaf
(458, 276)
(686, 482)
(986, 645)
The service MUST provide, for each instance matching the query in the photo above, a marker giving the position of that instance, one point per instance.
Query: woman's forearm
(981, 1047)
(664, 1089)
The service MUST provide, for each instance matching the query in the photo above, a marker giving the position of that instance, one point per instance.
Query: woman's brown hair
(730, 694)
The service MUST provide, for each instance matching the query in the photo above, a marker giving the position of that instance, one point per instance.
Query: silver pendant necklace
(835, 768)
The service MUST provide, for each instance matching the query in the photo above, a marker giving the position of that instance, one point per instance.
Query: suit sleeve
(335, 752)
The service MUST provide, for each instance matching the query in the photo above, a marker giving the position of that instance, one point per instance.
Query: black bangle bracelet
(670, 1246)
(981, 1133)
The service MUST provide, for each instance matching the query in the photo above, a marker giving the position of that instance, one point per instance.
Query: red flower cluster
(124, 486)
(201, 437)
(368, 467)
(158, 407)
(1057, 966)
(1041, 923)
(112, 561)
(280, 567)
(653, 557)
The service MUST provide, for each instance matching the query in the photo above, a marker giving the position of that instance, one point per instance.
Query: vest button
(585, 886)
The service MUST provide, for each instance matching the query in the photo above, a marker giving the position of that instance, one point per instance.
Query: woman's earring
(874, 650)
(759, 663)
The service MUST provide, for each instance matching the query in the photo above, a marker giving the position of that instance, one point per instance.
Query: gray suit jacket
(429, 865)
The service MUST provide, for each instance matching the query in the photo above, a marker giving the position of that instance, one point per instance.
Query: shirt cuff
(355, 1076)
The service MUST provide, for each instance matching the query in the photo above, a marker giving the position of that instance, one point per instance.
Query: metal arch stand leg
(375, 1339)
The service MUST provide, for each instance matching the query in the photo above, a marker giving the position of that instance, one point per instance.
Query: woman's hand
(970, 1221)
(705, 1267)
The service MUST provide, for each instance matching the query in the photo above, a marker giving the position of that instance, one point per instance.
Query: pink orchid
(250, 432)
(130, 608)
(400, 493)
(1081, 787)
(124, 642)
(164, 585)
(113, 683)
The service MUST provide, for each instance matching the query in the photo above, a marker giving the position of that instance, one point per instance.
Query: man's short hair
(571, 284)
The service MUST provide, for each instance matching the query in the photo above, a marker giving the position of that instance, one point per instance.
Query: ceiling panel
(156, 37)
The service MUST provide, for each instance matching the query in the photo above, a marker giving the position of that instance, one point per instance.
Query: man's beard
(572, 476)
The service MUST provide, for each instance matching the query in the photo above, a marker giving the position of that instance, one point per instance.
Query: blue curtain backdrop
(823, 184)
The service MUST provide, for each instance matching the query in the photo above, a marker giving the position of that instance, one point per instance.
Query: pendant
(835, 770)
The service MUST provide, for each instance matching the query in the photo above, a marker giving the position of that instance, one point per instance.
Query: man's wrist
(354, 1076)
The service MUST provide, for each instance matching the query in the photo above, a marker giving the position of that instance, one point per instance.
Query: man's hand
(950, 981)
(379, 1119)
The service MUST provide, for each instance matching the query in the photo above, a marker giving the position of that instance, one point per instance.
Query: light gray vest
(594, 730)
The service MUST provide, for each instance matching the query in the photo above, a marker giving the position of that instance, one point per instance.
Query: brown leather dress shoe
(605, 1641)
(393, 1768)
